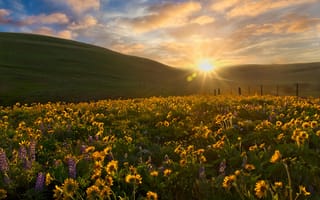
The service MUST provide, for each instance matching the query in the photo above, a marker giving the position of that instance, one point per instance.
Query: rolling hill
(36, 68)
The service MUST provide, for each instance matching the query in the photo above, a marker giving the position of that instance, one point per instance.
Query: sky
(179, 33)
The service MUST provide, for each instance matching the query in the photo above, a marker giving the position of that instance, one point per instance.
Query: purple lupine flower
(90, 139)
(222, 167)
(3, 161)
(40, 181)
(202, 172)
(72, 168)
(22, 154)
(32, 150)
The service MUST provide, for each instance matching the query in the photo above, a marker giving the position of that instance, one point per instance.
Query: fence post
(297, 89)
(215, 92)
(218, 91)
(239, 91)
(261, 90)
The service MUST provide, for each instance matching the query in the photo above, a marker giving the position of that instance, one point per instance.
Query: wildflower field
(193, 147)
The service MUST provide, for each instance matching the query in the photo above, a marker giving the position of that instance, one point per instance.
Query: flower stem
(289, 179)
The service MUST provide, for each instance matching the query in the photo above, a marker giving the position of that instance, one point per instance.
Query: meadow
(187, 147)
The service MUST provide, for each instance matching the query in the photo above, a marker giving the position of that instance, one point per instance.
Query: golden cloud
(222, 5)
(133, 49)
(80, 6)
(289, 24)
(54, 18)
(165, 15)
(86, 22)
(254, 8)
(66, 34)
(202, 20)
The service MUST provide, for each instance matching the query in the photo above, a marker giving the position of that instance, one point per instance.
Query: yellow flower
(70, 186)
(278, 184)
(3, 194)
(237, 172)
(93, 192)
(280, 136)
(278, 123)
(112, 167)
(152, 195)
(136, 179)
(228, 180)
(252, 148)
(97, 156)
(167, 172)
(318, 133)
(305, 125)
(276, 156)
(261, 189)
(57, 193)
(249, 167)
(48, 179)
(109, 180)
(183, 162)
(154, 173)
(203, 159)
(303, 190)
(314, 124)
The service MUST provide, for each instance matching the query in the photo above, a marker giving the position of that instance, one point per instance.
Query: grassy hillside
(36, 68)
(40, 68)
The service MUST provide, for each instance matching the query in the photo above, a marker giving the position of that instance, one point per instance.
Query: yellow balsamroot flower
(112, 167)
(314, 124)
(152, 195)
(135, 179)
(249, 167)
(228, 180)
(237, 172)
(3, 194)
(109, 180)
(167, 172)
(57, 192)
(93, 192)
(254, 147)
(203, 159)
(280, 136)
(70, 186)
(305, 125)
(98, 156)
(275, 157)
(48, 179)
(278, 124)
(154, 173)
(261, 189)
(302, 190)
(318, 133)
(278, 184)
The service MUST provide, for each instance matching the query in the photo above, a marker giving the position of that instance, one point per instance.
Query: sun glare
(205, 66)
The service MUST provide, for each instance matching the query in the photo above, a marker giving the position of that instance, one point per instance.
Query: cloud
(87, 22)
(289, 24)
(54, 18)
(133, 49)
(222, 5)
(3, 16)
(164, 15)
(66, 34)
(251, 8)
(80, 6)
(202, 20)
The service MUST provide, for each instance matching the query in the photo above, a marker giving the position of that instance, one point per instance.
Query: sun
(205, 66)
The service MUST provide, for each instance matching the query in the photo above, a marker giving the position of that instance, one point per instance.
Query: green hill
(36, 68)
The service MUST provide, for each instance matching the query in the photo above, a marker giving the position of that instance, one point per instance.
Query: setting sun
(205, 66)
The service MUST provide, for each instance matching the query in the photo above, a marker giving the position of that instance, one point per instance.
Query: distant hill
(36, 68)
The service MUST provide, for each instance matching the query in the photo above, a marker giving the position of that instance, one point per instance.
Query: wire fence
(292, 89)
